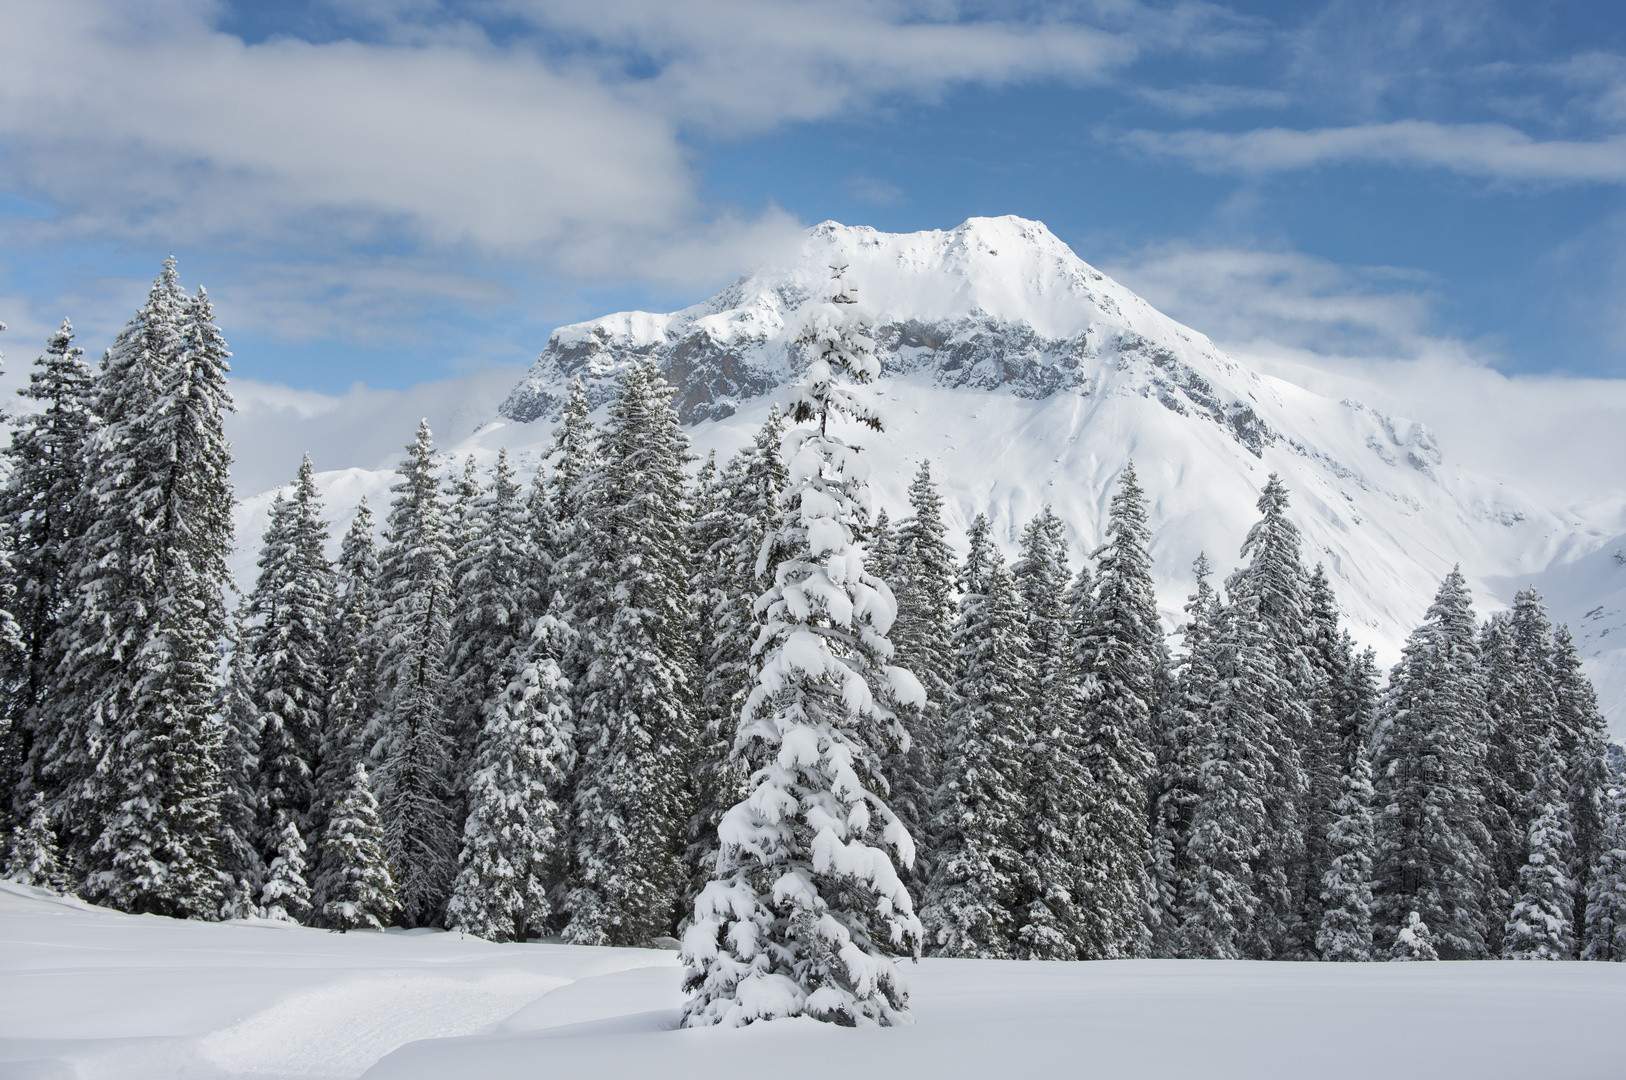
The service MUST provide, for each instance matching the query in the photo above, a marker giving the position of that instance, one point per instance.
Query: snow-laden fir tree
(353, 655)
(1584, 735)
(1539, 926)
(240, 818)
(286, 896)
(1345, 929)
(979, 814)
(285, 637)
(34, 858)
(135, 756)
(1320, 756)
(361, 894)
(1275, 577)
(1119, 650)
(925, 589)
(1183, 736)
(1413, 941)
(806, 908)
(1603, 933)
(575, 450)
(1219, 893)
(489, 615)
(1428, 805)
(409, 738)
(1057, 782)
(726, 583)
(38, 513)
(521, 758)
(634, 713)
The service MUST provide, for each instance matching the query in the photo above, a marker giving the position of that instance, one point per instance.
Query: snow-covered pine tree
(1119, 650)
(1320, 755)
(489, 615)
(541, 548)
(45, 460)
(1584, 735)
(523, 754)
(462, 498)
(1275, 576)
(1345, 931)
(1428, 752)
(285, 637)
(925, 590)
(1413, 941)
(413, 751)
(240, 818)
(1603, 934)
(362, 891)
(575, 446)
(353, 653)
(1507, 779)
(635, 715)
(137, 745)
(286, 896)
(979, 814)
(34, 858)
(806, 907)
(1539, 926)
(1184, 735)
(1219, 891)
(746, 512)
(1057, 793)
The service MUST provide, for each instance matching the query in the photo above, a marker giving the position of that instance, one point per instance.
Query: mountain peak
(997, 304)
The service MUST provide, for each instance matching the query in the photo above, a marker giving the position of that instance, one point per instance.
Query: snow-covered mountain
(1028, 377)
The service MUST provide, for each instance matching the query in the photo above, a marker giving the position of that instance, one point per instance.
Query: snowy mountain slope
(87, 992)
(1027, 377)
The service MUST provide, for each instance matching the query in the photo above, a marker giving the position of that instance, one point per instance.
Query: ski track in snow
(92, 994)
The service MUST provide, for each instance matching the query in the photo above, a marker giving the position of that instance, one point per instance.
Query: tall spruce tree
(489, 614)
(1345, 931)
(1219, 893)
(240, 816)
(1057, 781)
(411, 744)
(924, 586)
(135, 756)
(1320, 754)
(353, 654)
(970, 907)
(1119, 650)
(635, 718)
(1603, 934)
(1275, 577)
(521, 758)
(40, 513)
(806, 908)
(1584, 733)
(727, 582)
(1539, 925)
(1184, 737)
(286, 641)
(1428, 752)
(362, 893)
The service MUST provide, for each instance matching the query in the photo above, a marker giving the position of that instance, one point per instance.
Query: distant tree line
(614, 701)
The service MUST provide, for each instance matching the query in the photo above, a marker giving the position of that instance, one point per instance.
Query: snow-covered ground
(90, 993)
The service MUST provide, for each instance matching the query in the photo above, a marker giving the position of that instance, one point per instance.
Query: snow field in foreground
(90, 993)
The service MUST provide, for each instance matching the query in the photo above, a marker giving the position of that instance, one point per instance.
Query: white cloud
(560, 146)
(1203, 99)
(1495, 151)
(1245, 296)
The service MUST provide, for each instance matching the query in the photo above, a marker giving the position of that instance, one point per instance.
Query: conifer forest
(736, 704)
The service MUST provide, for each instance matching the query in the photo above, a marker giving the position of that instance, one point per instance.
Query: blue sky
(399, 190)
